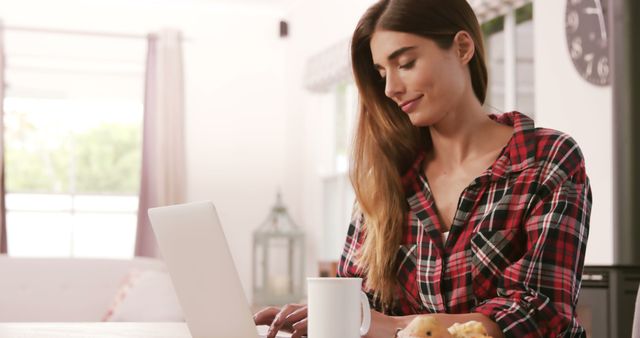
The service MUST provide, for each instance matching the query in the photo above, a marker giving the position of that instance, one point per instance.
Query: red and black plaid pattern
(515, 250)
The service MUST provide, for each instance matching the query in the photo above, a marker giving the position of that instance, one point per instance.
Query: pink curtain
(3, 223)
(163, 147)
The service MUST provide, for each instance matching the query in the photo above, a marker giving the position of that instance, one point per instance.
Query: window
(73, 120)
(500, 47)
(338, 195)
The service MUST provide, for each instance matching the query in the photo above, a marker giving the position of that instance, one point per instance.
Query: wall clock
(588, 40)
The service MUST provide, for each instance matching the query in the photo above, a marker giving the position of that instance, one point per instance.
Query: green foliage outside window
(109, 159)
(104, 159)
(523, 14)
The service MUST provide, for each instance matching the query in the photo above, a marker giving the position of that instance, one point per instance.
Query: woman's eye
(408, 65)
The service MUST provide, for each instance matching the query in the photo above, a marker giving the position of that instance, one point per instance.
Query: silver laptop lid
(206, 281)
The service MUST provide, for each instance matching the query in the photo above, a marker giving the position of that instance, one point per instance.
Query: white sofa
(71, 290)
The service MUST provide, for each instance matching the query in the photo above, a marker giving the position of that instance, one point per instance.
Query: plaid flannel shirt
(515, 250)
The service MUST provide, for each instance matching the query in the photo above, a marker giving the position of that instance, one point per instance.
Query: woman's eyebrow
(395, 54)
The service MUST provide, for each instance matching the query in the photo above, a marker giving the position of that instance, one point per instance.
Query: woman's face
(425, 81)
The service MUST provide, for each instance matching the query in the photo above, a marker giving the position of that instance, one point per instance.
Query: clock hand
(591, 10)
(598, 12)
(603, 28)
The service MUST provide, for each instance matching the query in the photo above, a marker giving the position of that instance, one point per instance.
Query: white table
(98, 330)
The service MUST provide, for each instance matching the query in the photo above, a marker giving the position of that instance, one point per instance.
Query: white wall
(234, 78)
(566, 102)
(315, 26)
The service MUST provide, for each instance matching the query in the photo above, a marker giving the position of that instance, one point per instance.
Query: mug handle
(366, 314)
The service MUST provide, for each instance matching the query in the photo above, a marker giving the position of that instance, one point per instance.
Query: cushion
(145, 296)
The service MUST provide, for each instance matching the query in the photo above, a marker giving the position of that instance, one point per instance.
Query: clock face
(588, 39)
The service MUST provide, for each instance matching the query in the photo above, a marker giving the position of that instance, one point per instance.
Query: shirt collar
(520, 151)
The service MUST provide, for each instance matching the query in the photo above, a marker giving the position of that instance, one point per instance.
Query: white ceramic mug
(336, 307)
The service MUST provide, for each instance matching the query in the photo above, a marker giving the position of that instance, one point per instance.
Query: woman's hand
(383, 326)
(290, 318)
(293, 318)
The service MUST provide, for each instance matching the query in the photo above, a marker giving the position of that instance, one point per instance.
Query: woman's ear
(465, 47)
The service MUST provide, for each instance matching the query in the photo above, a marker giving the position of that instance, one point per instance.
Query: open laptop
(206, 281)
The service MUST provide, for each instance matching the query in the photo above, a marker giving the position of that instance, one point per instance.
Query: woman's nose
(393, 86)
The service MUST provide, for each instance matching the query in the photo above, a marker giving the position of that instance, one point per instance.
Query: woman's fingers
(297, 315)
(280, 321)
(291, 318)
(299, 328)
(266, 316)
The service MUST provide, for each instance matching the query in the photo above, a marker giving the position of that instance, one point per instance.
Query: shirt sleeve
(537, 294)
(348, 265)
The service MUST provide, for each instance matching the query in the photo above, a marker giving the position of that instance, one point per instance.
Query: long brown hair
(386, 143)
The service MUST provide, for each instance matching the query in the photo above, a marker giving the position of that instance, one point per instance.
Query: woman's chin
(419, 119)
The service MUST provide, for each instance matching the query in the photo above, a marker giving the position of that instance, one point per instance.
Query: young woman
(460, 215)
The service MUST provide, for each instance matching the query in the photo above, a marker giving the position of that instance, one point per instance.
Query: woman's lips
(407, 107)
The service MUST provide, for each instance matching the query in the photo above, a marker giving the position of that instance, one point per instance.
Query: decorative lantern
(278, 259)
